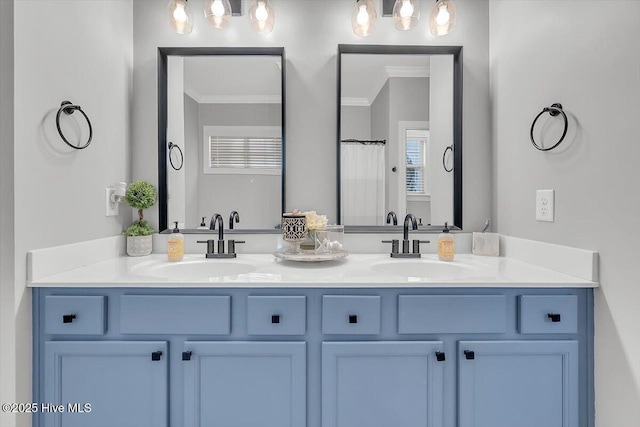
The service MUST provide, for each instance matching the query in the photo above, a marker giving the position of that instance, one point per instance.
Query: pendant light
(262, 16)
(443, 18)
(180, 17)
(406, 14)
(218, 13)
(363, 18)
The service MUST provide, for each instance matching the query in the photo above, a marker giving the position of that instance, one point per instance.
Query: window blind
(241, 153)
(415, 176)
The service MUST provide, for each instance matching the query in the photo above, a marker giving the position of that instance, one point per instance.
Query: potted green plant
(140, 195)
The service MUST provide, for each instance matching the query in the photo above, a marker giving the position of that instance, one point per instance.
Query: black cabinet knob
(275, 318)
(68, 318)
(469, 355)
(353, 318)
(186, 355)
(554, 317)
(440, 356)
(156, 355)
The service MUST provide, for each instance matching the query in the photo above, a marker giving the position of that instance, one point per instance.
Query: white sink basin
(422, 269)
(199, 270)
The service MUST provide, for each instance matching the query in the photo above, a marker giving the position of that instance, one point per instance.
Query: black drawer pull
(554, 317)
(186, 355)
(469, 355)
(353, 318)
(68, 318)
(440, 356)
(156, 355)
(275, 318)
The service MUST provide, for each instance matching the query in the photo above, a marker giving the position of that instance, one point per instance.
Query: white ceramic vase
(139, 245)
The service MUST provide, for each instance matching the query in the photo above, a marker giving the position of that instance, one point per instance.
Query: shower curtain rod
(365, 141)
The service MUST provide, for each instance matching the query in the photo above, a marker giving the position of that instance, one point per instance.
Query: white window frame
(423, 135)
(403, 127)
(237, 132)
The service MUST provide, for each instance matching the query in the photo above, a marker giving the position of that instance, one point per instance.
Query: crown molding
(395, 71)
(354, 102)
(405, 71)
(233, 99)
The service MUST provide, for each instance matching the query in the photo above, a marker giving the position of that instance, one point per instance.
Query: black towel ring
(554, 110)
(70, 108)
(171, 147)
(444, 155)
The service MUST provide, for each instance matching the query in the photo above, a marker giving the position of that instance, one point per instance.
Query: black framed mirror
(221, 136)
(399, 136)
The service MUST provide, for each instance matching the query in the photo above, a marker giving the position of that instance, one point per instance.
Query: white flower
(315, 221)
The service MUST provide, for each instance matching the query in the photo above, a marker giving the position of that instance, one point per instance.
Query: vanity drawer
(548, 314)
(175, 314)
(276, 315)
(350, 314)
(75, 315)
(440, 314)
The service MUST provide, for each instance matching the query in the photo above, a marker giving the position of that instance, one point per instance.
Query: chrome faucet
(234, 215)
(212, 226)
(405, 230)
(392, 216)
(409, 220)
(217, 218)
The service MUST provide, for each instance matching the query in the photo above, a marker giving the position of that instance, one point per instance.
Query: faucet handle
(210, 245)
(395, 245)
(416, 245)
(232, 245)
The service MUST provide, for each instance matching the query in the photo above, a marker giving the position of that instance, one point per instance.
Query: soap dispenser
(445, 245)
(175, 245)
(202, 225)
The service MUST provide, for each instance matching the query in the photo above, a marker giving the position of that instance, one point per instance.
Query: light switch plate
(545, 201)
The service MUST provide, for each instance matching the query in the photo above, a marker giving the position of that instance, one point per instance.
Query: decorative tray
(310, 256)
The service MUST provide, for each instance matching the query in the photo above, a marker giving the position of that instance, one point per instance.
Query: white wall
(192, 162)
(7, 291)
(65, 50)
(583, 54)
(310, 32)
(441, 136)
(408, 102)
(355, 122)
(176, 179)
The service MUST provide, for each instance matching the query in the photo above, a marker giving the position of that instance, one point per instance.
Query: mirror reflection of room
(396, 124)
(225, 115)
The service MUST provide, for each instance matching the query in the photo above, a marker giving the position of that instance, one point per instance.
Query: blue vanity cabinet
(104, 383)
(248, 384)
(382, 384)
(518, 383)
(314, 357)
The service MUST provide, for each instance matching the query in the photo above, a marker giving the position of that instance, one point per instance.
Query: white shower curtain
(362, 192)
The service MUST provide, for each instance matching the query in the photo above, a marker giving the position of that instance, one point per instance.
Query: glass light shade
(363, 18)
(443, 17)
(262, 16)
(180, 17)
(406, 14)
(218, 13)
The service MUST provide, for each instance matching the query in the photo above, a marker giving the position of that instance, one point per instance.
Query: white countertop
(357, 270)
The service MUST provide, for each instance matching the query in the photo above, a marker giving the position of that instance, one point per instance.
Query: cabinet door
(381, 384)
(245, 384)
(518, 383)
(125, 384)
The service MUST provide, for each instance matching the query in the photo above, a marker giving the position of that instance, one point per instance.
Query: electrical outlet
(545, 205)
(111, 206)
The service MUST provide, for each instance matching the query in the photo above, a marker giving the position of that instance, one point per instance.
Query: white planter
(139, 245)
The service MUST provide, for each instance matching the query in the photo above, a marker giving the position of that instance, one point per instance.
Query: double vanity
(367, 341)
